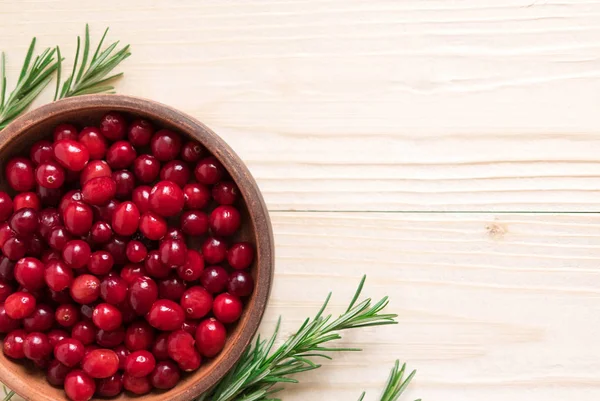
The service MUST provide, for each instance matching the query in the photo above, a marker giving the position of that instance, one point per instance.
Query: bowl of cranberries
(136, 253)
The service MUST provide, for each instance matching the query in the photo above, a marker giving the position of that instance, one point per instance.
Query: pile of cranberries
(99, 283)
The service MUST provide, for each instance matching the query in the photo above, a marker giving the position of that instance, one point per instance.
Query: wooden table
(448, 149)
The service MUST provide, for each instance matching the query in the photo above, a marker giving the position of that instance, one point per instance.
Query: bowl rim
(253, 199)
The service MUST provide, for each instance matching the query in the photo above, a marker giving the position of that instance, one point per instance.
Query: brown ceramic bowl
(29, 382)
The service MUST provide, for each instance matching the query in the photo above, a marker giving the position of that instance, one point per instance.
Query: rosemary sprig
(256, 375)
(396, 383)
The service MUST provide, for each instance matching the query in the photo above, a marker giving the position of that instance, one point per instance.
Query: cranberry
(64, 131)
(36, 346)
(166, 198)
(55, 335)
(176, 171)
(59, 297)
(79, 386)
(41, 319)
(7, 323)
(126, 218)
(36, 246)
(49, 255)
(113, 289)
(159, 348)
(171, 288)
(100, 363)
(94, 169)
(165, 315)
(132, 271)
(137, 385)
(172, 252)
(154, 267)
(240, 255)
(69, 352)
(85, 332)
(19, 305)
(180, 346)
(191, 152)
(85, 289)
(214, 250)
(107, 317)
(210, 337)
(141, 197)
(140, 132)
(175, 234)
(196, 196)
(225, 220)
(142, 294)
(125, 183)
(120, 155)
(146, 168)
(29, 272)
(101, 232)
(227, 308)
(90, 348)
(214, 279)
(57, 275)
(26, 200)
(113, 126)
(196, 302)
(25, 222)
(5, 290)
(76, 254)
(241, 283)
(194, 222)
(100, 263)
(6, 206)
(138, 336)
(129, 314)
(6, 268)
(110, 386)
(122, 352)
(192, 269)
(209, 171)
(49, 218)
(6, 233)
(50, 175)
(78, 218)
(140, 363)
(165, 145)
(117, 247)
(225, 192)
(91, 138)
(153, 226)
(71, 154)
(58, 238)
(67, 315)
(49, 196)
(20, 174)
(110, 339)
(105, 213)
(189, 326)
(56, 373)
(165, 375)
(13, 344)
(99, 190)
(41, 152)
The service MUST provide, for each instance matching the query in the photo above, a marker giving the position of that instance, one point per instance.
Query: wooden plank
(382, 105)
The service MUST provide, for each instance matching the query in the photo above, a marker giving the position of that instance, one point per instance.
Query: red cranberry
(48, 196)
(94, 169)
(110, 339)
(129, 314)
(140, 132)
(13, 344)
(56, 373)
(176, 171)
(6, 206)
(196, 196)
(59, 297)
(100, 363)
(137, 385)
(132, 271)
(241, 283)
(6, 268)
(142, 294)
(125, 183)
(99, 190)
(181, 349)
(210, 337)
(141, 197)
(100, 263)
(85, 332)
(120, 155)
(5, 290)
(50, 175)
(68, 198)
(105, 213)
(113, 289)
(41, 319)
(166, 198)
(69, 352)
(58, 238)
(7, 323)
(240, 255)
(36, 346)
(71, 154)
(225, 220)
(155, 268)
(64, 131)
(159, 348)
(29, 272)
(189, 326)
(214, 250)
(126, 219)
(194, 222)
(165, 375)
(117, 247)
(122, 352)
(91, 138)
(36, 246)
(171, 288)
(67, 315)
(76, 254)
(79, 386)
(57, 275)
(196, 302)
(172, 252)
(111, 386)
(140, 363)
(107, 317)
(24, 222)
(225, 192)
(227, 308)
(138, 336)
(209, 171)
(146, 168)
(50, 254)
(78, 218)
(6, 233)
(54, 336)
(41, 152)
(101, 232)
(113, 126)
(192, 269)
(49, 218)
(25, 200)
(20, 174)
(153, 226)
(165, 315)
(85, 289)
(165, 145)
(214, 279)
(191, 152)
(174, 234)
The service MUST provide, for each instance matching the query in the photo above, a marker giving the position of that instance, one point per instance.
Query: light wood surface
(414, 108)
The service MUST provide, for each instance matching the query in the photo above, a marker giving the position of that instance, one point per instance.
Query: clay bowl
(29, 382)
